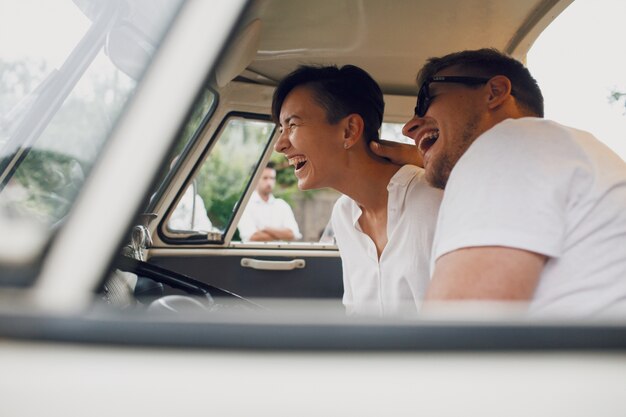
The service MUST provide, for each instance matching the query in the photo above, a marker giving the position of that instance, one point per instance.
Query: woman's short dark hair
(489, 62)
(340, 91)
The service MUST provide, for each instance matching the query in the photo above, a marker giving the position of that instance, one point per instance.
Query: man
(532, 210)
(267, 218)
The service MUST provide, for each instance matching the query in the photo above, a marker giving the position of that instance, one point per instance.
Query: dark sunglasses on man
(423, 97)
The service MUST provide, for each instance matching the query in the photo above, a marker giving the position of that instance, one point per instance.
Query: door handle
(273, 265)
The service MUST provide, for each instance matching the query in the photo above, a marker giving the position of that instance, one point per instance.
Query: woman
(385, 221)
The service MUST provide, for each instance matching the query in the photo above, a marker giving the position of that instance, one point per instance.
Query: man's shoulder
(515, 145)
(526, 133)
(529, 144)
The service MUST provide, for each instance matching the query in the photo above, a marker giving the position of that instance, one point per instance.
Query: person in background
(267, 218)
(190, 214)
(384, 223)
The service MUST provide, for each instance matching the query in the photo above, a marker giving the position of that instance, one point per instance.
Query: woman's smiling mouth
(298, 162)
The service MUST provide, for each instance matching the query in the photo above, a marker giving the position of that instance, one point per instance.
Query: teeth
(430, 136)
(297, 160)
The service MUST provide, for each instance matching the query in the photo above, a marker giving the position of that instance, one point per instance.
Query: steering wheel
(206, 296)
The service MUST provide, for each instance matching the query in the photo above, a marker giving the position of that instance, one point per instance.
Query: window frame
(179, 239)
(193, 140)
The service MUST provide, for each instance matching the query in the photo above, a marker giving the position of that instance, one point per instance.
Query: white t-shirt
(534, 184)
(260, 214)
(396, 283)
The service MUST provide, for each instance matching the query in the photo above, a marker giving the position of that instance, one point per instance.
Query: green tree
(229, 168)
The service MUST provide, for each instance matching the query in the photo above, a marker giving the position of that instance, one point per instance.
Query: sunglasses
(423, 97)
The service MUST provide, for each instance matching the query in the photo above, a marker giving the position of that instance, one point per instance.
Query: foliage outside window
(224, 176)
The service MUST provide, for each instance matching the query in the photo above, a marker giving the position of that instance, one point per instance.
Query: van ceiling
(390, 39)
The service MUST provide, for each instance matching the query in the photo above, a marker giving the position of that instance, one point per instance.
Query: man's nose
(410, 128)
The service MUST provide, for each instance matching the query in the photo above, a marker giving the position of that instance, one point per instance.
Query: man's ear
(353, 131)
(499, 91)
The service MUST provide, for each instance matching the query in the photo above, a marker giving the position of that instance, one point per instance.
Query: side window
(583, 84)
(62, 88)
(277, 211)
(48, 146)
(393, 131)
(209, 201)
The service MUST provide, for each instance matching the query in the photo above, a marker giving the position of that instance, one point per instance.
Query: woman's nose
(282, 143)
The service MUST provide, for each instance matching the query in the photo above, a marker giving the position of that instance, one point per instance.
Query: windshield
(66, 71)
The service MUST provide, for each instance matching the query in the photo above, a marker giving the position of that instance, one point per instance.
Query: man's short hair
(490, 62)
(340, 91)
(271, 165)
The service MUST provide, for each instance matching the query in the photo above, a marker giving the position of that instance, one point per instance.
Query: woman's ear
(499, 90)
(353, 131)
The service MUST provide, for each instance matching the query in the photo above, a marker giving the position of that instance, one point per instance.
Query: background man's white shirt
(260, 214)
